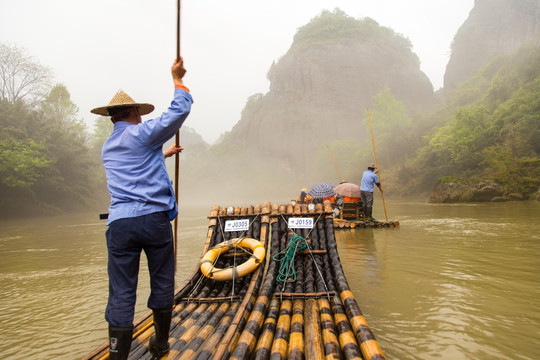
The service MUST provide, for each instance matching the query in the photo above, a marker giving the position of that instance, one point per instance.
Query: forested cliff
(484, 142)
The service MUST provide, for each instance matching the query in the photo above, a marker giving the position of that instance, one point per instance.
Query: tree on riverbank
(22, 77)
(45, 163)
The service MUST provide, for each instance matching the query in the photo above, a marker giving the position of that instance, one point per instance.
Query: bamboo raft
(362, 223)
(311, 315)
(352, 216)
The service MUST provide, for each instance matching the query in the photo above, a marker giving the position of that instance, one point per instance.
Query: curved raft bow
(209, 259)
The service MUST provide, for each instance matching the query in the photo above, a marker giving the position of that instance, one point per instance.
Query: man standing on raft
(369, 177)
(142, 205)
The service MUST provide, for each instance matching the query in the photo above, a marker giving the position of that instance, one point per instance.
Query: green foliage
(333, 25)
(518, 121)
(511, 73)
(20, 162)
(494, 133)
(513, 160)
(517, 175)
(67, 182)
(45, 161)
(388, 112)
(337, 26)
(447, 179)
(392, 130)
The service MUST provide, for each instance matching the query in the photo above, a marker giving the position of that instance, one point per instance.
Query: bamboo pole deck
(312, 316)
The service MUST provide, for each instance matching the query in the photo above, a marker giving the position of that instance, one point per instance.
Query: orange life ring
(207, 261)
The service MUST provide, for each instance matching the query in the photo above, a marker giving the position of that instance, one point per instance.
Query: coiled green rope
(287, 273)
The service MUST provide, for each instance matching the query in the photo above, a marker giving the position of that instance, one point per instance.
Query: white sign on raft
(300, 223)
(237, 225)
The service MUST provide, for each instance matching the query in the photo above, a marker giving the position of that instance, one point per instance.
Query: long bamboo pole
(335, 165)
(377, 164)
(177, 143)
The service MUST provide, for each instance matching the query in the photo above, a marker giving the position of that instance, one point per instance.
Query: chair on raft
(352, 211)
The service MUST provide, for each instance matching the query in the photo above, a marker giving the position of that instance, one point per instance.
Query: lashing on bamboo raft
(312, 314)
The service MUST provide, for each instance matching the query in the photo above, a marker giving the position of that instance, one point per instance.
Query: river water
(452, 282)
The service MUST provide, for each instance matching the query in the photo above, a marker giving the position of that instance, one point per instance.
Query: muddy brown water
(452, 282)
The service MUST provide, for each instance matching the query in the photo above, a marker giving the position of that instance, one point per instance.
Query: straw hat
(122, 99)
(371, 166)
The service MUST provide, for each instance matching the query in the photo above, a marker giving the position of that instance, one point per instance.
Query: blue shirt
(135, 166)
(368, 179)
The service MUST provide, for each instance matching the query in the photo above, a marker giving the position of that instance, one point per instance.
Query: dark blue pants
(126, 238)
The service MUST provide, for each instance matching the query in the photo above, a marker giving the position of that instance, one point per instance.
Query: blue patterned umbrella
(322, 190)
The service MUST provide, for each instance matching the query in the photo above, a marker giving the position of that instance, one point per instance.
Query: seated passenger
(304, 197)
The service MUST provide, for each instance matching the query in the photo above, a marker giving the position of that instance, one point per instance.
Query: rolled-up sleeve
(156, 132)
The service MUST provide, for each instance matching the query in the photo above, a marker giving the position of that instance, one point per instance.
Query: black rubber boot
(120, 338)
(367, 212)
(159, 343)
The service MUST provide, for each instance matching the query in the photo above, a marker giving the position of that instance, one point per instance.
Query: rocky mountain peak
(493, 27)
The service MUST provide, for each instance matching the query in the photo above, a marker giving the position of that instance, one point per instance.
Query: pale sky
(96, 47)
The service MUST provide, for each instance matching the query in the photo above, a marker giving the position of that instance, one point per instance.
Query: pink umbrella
(348, 189)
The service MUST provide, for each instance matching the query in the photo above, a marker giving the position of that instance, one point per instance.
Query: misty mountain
(320, 90)
(190, 140)
(493, 27)
(191, 137)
